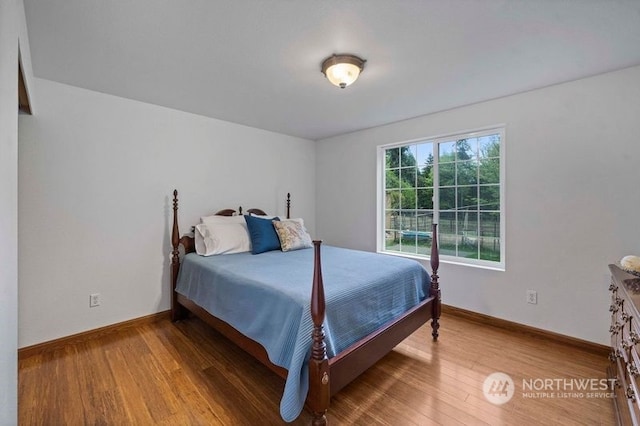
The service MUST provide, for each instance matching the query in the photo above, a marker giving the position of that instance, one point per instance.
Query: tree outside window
(454, 181)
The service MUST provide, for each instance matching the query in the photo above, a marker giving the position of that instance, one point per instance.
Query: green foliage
(468, 191)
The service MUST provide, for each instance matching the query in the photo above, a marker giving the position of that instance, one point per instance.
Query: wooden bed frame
(326, 375)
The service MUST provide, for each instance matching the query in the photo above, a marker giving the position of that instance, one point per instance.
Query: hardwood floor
(187, 374)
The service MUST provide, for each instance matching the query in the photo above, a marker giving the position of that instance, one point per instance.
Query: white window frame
(381, 188)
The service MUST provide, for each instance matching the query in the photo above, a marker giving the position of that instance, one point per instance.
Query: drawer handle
(619, 301)
(613, 356)
(625, 317)
(625, 344)
(613, 287)
(613, 308)
(615, 328)
(630, 393)
(632, 369)
(635, 339)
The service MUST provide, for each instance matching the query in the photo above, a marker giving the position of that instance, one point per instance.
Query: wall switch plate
(94, 300)
(532, 297)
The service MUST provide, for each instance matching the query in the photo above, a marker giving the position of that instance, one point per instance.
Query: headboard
(188, 242)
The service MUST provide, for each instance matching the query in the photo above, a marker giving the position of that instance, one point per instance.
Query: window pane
(425, 177)
(392, 199)
(490, 249)
(447, 233)
(447, 152)
(468, 223)
(392, 178)
(408, 242)
(447, 198)
(468, 198)
(490, 170)
(490, 225)
(424, 155)
(490, 236)
(425, 198)
(468, 235)
(473, 148)
(489, 146)
(467, 172)
(392, 240)
(392, 159)
(391, 231)
(464, 151)
(408, 220)
(391, 220)
(408, 156)
(408, 200)
(408, 177)
(489, 197)
(446, 174)
(424, 220)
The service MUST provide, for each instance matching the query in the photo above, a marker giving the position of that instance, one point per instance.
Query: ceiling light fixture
(342, 70)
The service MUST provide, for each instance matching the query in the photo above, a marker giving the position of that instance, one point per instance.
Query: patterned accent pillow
(293, 235)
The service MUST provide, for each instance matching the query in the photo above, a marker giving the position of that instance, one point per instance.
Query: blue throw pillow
(262, 233)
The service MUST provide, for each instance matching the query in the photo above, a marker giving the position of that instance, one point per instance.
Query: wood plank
(158, 372)
(533, 332)
(89, 335)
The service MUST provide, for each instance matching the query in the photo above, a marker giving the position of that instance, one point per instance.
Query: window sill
(446, 259)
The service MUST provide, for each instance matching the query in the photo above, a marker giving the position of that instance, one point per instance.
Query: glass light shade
(343, 75)
(342, 70)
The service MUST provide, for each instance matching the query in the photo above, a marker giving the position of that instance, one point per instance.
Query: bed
(303, 332)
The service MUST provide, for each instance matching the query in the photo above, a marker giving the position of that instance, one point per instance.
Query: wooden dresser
(625, 344)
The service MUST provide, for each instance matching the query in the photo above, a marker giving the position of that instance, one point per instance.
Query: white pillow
(213, 238)
(222, 219)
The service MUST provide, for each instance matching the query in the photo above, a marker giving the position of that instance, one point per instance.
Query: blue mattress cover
(267, 298)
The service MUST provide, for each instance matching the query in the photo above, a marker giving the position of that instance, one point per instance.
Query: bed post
(177, 312)
(435, 286)
(318, 364)
(288, 205)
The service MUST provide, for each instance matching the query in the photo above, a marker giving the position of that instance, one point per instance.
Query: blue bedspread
(267, 297)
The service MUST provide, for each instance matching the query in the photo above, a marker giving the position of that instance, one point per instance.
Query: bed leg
(177, 311)
(434, 291)
(437, 307)
(319, 390)
(435, 325)
(319, 420)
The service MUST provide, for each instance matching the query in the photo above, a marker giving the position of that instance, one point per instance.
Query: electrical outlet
(94, 300)
(532, 297)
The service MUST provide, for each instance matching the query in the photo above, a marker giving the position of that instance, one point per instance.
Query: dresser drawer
(626, 408)
(625, 344)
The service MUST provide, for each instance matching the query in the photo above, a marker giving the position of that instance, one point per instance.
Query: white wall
(572, 199)
(96, 175)
(8, 213)
(12, 33)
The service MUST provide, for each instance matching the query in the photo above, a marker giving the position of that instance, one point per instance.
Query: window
(456, 181)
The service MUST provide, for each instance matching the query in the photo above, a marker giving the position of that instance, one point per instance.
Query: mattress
(267, 298)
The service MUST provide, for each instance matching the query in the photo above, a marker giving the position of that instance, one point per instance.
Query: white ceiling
(257, 62)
